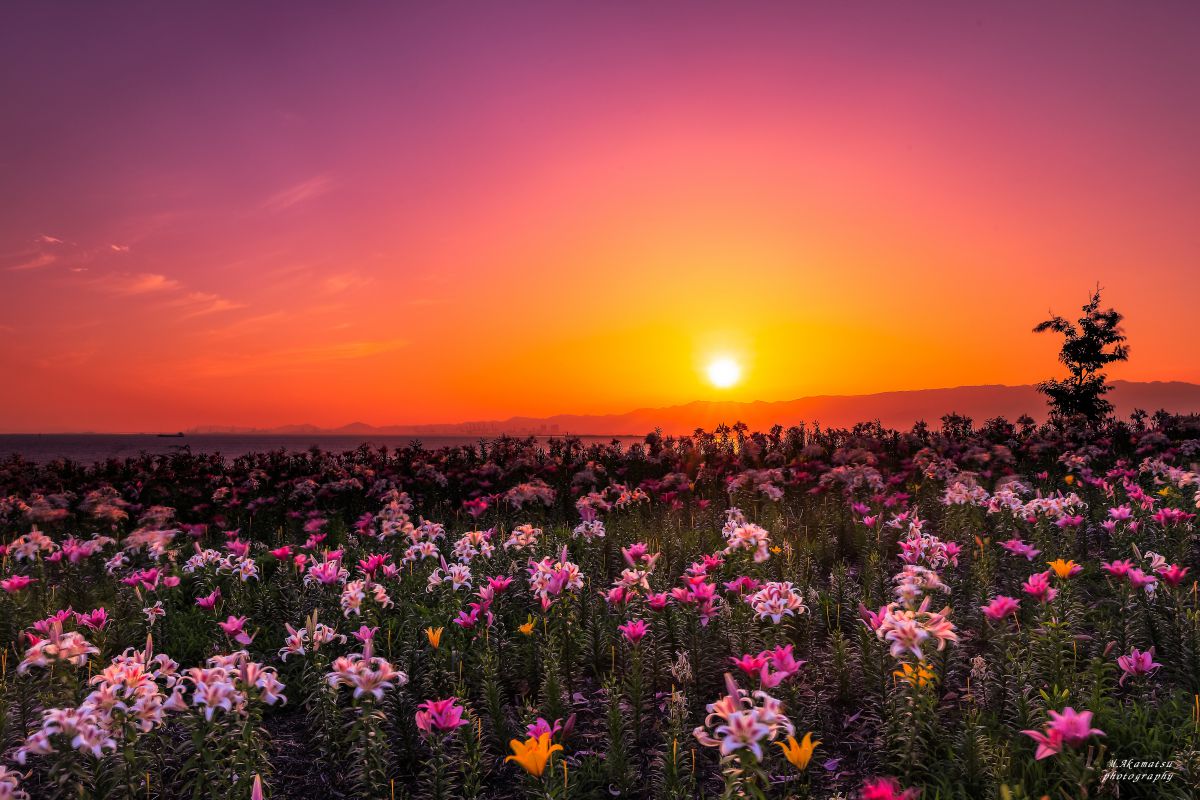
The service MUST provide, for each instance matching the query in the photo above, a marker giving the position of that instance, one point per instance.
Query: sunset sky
(259, 214)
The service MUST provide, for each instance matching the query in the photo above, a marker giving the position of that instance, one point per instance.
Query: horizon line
(231, 429)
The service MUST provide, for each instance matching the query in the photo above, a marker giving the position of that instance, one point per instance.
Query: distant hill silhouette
(892, 409)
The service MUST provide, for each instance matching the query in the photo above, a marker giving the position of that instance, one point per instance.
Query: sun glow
(724, 372)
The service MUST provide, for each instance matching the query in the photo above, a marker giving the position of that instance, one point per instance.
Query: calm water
(89, 448)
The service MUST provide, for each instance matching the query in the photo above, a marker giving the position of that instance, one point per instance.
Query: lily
(799, 753)
(533, 753)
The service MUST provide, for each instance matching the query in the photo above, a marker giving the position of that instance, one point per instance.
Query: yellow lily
(921, 675)
(434, 635)
(798, 753)
(1063, 569)
(533, 753)
(527, 628)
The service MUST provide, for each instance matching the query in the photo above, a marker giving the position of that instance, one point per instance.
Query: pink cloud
(124, 283)
(295, 195)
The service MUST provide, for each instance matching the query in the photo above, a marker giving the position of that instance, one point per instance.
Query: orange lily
(434, 635)
(921, 675)
(533, 753)
(798, 753)
(1064, 569)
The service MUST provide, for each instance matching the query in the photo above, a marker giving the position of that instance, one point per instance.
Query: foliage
(1089, 345)
(665, 620)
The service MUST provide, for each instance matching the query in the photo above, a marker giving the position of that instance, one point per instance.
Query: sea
(92, 447)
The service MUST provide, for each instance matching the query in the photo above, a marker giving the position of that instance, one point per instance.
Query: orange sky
(237, 216)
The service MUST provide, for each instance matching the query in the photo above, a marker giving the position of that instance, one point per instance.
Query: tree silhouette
(1089, 345)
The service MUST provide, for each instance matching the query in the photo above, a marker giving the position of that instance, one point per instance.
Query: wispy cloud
(301, 192)
(341, 351)
(204, 303)
(246, 325)
(36, 261)
(165, 292)
(48, 250)
(335, 284)
(66, 358)
(125, 283)
(283, 359)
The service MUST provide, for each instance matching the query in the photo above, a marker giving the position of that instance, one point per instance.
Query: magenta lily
(1137, 663)
(1068, 728)
(634, 630)
(440, 715)
(1001, 607)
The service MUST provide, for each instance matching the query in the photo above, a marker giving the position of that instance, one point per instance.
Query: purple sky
(262, 213)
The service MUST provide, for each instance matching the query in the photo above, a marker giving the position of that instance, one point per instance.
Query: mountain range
(893, 409)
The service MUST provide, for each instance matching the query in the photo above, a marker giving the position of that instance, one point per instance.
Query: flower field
(1006, 612)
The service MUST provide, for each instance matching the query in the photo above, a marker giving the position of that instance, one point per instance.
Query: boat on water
(171, 435)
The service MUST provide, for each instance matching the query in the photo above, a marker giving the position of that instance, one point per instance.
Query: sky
(226, 213)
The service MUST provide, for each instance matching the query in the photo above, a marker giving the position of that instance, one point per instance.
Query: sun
(724, 372)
